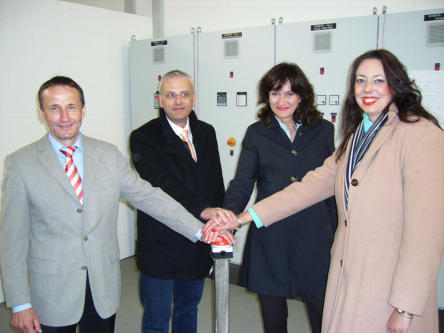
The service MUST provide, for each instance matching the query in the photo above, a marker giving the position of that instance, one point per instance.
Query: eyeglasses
(173, 95)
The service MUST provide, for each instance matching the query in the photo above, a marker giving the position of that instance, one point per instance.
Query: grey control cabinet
(325, 50)
(150, 59)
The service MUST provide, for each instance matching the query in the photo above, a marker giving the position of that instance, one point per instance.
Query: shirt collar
(284, 127)
(178, 129)
(56, 145)
(367, 122)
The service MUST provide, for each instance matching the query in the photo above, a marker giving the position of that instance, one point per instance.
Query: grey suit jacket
(49, 241)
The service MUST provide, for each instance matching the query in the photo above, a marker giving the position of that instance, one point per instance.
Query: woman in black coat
(290, 258)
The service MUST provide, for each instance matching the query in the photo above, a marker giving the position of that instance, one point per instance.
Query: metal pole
(158, 18)
(221, 290)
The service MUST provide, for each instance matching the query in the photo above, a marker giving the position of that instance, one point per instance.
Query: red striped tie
(72, 173)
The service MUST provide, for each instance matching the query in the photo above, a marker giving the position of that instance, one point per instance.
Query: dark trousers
(158, 294)
(90, 322)
(275, 312)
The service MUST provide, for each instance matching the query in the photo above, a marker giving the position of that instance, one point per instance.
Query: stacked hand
(220, 223)
(213, 235)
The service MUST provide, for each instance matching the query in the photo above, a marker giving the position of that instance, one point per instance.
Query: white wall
(118, 5)
(40, 39)
(139, 7)
(214, 15)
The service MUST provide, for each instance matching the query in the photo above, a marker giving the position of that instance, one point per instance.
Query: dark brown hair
(406, 96)
(306, 113)
(60, 81)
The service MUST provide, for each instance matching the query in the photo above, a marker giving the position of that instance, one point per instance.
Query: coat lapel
(48, 159)
(277, 134)
(175, 145)
(382, 136)
(91, 165)
(305, 135)
(342, 167)
(302, 139)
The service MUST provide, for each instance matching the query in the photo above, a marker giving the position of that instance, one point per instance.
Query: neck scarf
(360, 144)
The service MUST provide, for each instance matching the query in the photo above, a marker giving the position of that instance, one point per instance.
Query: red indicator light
(231, 142)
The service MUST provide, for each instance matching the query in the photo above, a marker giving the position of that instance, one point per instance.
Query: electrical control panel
(227, 66)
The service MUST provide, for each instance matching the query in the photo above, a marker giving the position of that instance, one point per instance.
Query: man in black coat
(178, 153)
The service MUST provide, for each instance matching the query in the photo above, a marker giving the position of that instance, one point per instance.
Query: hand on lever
(210, 234)
(218, 216)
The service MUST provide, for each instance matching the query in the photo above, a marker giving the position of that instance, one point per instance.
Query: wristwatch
(405, 313)
(239, 222)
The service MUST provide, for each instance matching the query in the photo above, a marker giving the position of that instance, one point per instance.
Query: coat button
(345, 222)
(300, 133)
(354, 182)
(85, 238)
(293, 179)
(79, 210)
(83, 268)
(294, 153)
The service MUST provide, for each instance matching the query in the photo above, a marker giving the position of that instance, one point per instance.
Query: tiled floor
(244, 309)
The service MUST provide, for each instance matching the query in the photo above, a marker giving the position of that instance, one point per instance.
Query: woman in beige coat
(388, 179)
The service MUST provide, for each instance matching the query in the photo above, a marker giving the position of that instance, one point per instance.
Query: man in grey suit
(60, 255)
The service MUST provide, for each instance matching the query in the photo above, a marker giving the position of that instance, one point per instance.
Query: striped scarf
(361, 143)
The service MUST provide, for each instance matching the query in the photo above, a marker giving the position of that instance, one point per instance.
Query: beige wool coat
(389, 243)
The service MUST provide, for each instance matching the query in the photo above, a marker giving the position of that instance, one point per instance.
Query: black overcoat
(289, 258)
(163, 159)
